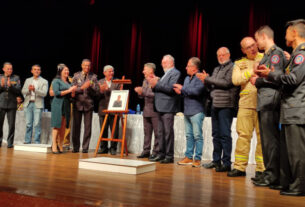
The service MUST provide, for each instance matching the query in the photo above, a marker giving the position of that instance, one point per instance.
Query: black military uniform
(268, 107)
(292, 117)
(8, 105)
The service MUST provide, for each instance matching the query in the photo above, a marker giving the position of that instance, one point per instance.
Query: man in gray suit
(9, 90)
(151, 118)
(87, 88)
(34, 90)
(106, 86)
(167, 104)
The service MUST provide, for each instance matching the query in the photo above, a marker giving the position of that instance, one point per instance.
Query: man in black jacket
(268, 107)
(292, 143)
(224, 100)
(10, 88)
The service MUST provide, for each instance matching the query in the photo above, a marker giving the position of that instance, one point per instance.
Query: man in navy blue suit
(166, 104)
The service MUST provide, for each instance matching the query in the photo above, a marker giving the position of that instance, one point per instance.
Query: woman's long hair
(60, 68)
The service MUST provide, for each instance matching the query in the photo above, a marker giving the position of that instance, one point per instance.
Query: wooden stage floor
(50, 178)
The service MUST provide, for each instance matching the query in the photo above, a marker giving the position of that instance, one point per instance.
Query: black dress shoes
(103, 151)
(144, 155)
(112, 151)
(258, 176)
(236, 173)
(152, 156)
(157, 158)
(85, 151)
(222, 168)
(75, 151)
(276, 187)
(167, 161)
(211, 165)
(292, 193)
(262, 183)
(10, 146)
(0, 144)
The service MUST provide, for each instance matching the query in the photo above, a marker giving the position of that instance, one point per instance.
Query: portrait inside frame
(118, 100)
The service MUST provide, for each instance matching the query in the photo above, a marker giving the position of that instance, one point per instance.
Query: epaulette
(302, 47)
(271, 50)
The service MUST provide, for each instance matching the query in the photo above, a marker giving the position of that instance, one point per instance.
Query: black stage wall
(127, 34)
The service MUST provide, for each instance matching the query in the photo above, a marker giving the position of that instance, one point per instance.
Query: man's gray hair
(298, 25)
(7, 63)
(196, 62)
(170, 57)
(86, 60)
(150, 65)
(107, 67)
(36, 65)
(224, 48)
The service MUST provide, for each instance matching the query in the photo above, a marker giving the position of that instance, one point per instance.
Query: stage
(56, 180)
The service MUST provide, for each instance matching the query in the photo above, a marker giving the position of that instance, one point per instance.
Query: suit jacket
(8, 95)
(105, 96)
(148, 96)
(40, 92)
(84, 99)
(166, 100)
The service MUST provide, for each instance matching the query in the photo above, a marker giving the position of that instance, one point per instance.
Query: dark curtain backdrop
(127, 34)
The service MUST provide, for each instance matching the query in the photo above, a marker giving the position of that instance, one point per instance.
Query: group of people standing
(271, 87)
(271, 102)
(72, 98)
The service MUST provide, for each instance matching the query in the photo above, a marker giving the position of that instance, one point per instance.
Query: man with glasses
(247, 119)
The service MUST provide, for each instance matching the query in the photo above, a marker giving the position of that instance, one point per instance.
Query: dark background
(131, 33)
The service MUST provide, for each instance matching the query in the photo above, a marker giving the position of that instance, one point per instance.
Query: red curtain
(197, 35)
(96, 49)
(92, 2)
(258, 17)
(135, 52)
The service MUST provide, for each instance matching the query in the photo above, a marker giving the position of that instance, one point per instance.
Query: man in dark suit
(105, 88)
(151, 118)
(87, 88)
(10, 88)
(167, 104)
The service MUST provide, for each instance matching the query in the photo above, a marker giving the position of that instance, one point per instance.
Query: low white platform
(117, 165)
(44, 148)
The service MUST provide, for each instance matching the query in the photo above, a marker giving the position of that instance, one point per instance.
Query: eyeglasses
(249, 47)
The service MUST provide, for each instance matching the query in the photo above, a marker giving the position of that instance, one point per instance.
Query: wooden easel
(123, 122)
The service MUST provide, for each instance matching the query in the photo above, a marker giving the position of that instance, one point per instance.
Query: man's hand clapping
(202, 76)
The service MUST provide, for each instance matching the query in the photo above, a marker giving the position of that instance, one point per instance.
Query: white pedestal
(117, 165)
(44, 148)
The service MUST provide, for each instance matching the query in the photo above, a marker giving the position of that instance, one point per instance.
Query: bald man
(247, 119)
(224, 101)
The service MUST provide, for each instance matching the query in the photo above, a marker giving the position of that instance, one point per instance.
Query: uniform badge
(275, 59)
(299, 59)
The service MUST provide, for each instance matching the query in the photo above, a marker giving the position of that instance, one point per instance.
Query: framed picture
(118, 100)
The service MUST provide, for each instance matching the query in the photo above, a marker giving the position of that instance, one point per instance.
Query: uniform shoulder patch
(275, 59)
(299, 59)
